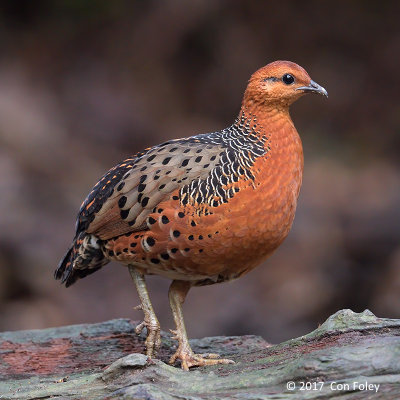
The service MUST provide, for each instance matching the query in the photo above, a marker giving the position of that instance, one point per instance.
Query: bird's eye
(288, 79)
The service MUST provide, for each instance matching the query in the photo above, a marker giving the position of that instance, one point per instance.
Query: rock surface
(105, 361)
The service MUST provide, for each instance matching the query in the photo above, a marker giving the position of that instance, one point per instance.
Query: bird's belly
(250, 233)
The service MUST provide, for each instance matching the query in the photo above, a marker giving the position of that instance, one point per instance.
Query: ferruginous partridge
(200, 210)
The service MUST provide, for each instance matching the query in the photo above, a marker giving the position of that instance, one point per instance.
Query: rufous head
(279, 84)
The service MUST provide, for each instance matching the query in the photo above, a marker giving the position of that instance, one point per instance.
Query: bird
(199, 210)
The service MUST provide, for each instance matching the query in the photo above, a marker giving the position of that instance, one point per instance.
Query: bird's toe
(189, 359)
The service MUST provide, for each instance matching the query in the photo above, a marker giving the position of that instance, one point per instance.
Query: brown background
(84, 84)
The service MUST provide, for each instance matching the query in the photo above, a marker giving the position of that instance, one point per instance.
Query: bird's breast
(258, 219)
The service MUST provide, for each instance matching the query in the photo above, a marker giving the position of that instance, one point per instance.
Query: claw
(189, 359)
(174, 334)
(210, 355)
(139, 328)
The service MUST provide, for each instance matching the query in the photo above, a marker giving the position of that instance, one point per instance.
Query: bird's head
(279, 84)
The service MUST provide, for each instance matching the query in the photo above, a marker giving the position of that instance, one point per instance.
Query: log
(350, 356)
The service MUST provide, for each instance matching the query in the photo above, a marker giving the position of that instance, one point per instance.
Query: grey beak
(313, 87)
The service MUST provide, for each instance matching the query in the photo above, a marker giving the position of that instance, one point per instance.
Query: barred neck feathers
(242, 144)
(273, 117)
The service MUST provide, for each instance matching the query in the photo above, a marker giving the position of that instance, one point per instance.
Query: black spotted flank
(151, 158)
(155, 261)
(120, 186)
(141, 187)
(145, 201)
(150, 241)
(164, 219)
(185, 162)
(143, 178)
(122, 201)
(124, 214)
(164, 256)
(174, 250)
(238, 146)
(190, 237)
(181, 214)
(176, 233)
(166, 160)
(151, 220)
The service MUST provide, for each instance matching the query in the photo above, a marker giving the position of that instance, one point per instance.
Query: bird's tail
(84, 257)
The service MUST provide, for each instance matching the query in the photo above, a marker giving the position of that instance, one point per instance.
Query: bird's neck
(282, 144)
(273, 121)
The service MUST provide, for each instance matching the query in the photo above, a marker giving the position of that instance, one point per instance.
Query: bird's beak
(313, 87)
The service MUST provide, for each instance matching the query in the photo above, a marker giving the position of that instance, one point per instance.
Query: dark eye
(288, 79)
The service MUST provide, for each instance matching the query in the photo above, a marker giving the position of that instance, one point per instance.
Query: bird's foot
(189, 359)
(153, 340)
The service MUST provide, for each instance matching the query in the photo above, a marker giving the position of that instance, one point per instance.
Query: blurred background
(84, 84)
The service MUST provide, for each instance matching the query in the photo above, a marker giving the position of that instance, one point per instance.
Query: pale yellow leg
(177, 294)
(150, 322)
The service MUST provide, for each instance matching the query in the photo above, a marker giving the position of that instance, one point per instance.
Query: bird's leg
(177, 294)
(153, 340)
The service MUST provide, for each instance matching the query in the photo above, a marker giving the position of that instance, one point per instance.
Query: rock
(350, 356)
(135, 360)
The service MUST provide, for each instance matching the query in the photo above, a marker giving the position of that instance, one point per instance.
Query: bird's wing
(120, 202)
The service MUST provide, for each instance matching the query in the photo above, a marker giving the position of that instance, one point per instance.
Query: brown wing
(129, 192)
